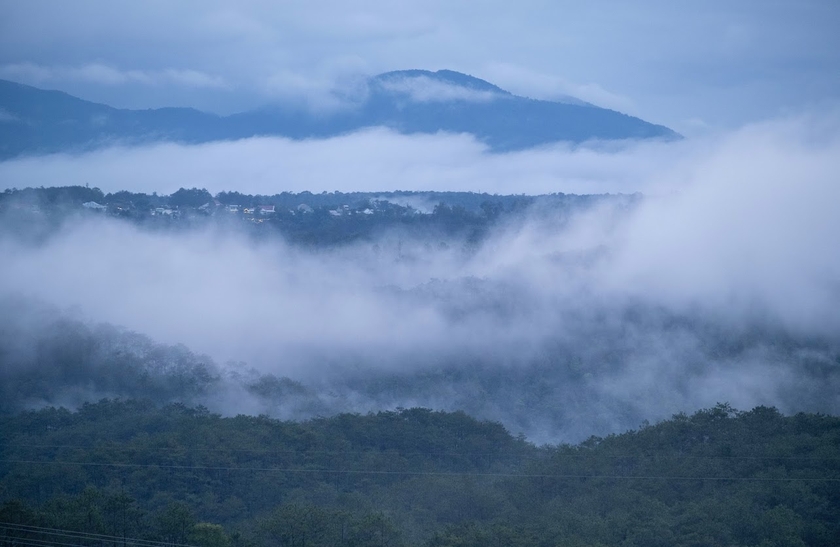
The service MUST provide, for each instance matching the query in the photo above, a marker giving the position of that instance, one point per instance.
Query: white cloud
(757, 229)
(102, 74)
(424, 89)
(372, 160)
(523, 81)
(190, 78)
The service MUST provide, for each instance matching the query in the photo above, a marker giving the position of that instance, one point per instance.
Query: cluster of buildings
(262, 210)
(255, 213)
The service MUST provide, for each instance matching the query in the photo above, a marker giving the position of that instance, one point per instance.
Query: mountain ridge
(39, 121)
(450, 76)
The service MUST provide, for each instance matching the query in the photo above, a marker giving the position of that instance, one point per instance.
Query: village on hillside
(305, 217)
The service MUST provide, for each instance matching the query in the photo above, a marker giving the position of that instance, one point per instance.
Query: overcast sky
(695, 66)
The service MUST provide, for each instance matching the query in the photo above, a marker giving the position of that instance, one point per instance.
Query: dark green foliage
(193, 197)
(418, 477)
(52, 196)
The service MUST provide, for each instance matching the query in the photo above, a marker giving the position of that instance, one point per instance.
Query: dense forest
(181, 475)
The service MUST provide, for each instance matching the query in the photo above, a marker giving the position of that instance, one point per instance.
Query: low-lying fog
(723, 284)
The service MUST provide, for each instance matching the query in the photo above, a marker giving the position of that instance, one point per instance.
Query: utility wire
(27, 528)
(647, 454)
(422, 473)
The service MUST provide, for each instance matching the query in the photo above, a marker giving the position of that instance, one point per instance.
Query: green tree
(194, 197)
(206, 534)
(176, 523)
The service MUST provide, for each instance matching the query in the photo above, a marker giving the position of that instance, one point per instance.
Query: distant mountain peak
(424, 86)
(449, 77)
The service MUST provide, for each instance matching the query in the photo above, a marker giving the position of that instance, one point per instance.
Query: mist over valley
(419, 274)
(560, 316)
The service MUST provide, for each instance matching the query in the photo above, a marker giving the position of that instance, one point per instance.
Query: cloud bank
(423, 89)
(722, 285)
(98, 73)
(372, 160)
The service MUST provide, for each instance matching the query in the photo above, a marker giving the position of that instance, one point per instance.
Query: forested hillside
(176, 474)
(305, 219)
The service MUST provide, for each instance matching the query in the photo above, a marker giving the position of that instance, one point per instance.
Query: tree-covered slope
(418, 477)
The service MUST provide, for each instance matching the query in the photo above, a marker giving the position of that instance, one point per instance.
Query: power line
(73, 534)
(423, 473)
(264, 450)
(542, 456)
